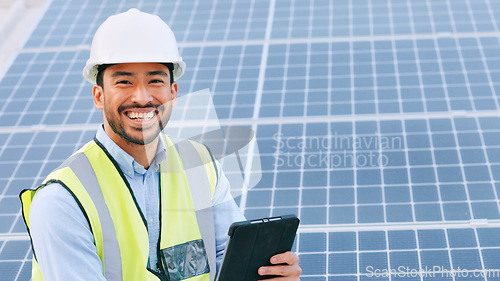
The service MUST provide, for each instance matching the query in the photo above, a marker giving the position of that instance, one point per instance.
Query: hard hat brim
(90, 70)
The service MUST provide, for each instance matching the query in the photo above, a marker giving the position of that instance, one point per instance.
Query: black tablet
(251, 244)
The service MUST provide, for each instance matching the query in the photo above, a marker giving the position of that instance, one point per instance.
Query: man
(131, 205)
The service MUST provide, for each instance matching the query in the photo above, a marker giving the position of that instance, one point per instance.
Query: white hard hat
(131, 37)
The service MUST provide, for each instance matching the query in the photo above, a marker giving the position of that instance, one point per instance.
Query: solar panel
(376, 123)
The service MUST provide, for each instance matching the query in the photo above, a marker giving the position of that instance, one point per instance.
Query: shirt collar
(126, 162)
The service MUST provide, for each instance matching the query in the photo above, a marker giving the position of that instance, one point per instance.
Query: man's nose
(141, 95)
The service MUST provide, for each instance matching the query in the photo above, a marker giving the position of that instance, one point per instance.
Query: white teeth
(143, 116)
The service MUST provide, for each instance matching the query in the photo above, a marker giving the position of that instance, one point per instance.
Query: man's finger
(280, 270)
(287, 257)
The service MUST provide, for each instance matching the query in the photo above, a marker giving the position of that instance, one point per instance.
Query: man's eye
(123, 82)
(155, 81)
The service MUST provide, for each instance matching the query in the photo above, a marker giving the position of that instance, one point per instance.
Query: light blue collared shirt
(63, 242)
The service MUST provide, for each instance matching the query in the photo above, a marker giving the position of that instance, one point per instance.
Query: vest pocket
(185, 260)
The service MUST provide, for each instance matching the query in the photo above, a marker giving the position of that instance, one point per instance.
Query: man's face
(136, 99)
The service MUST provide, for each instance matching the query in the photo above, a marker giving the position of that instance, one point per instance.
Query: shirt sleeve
(226, 211)
(62, 240)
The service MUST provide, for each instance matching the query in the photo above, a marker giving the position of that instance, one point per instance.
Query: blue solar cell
(15, 250)
(366, 127)
(462, 238)
(399, 213)
(9, 205)
(20, 139)
(401, 239)
(446, 156)
(12, 154)
(341, 196)
(368, 176)
(428, 212)
(27, 170)
(422, 175)
(341, 178)
(314, 197)
(266, 181)
(489, 123)
(287, 179)
(339, 109)
(488, 237)
(466, 259)
(490, 138)
(6, 223)
(417, 141)
(25, 273)
(431, 258)
(469, 139)
(395, 158)
(37, 153)
(440, 125)
(491, 259)
(485, 210)
(395, 176)
(420, 158)
(341, 128)
(315, 178)
(313, 215)
(371, 240)
(431, 239)
(495, 169)
(286, 198)
(481, 191)
(456, 211)
(259, 198)
(370, 214)
(62, 152)
(404, 261)
(374, 276)
(342, 241)
(342, 215)
(10, 269)
(449, 174)
(314, 278)
(434, 106)
(285, 211)
(443, 140)
(313, 242)
(392, 126)
(477, 173)
(313, 264)
(452, 192)
(342, 263)
(259, 213)
(369, 195)
(375, 260)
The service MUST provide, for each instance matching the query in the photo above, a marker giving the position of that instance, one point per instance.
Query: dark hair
(102, 67)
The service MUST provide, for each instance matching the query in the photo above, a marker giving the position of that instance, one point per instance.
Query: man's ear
(97, 92)
(173, 92)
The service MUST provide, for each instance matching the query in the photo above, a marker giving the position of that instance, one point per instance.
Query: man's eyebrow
(121, 73)
(158, 72)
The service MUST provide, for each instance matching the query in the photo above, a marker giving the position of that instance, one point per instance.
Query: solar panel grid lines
(420, 71)
(396, 242)
(258, 100)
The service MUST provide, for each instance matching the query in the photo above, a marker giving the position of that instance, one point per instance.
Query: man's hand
(285, 265)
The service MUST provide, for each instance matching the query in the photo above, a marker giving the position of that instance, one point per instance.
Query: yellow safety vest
(186, 247)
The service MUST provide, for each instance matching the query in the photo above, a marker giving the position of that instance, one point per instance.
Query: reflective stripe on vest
(80, 165)
(201, 195)
(87, 172)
